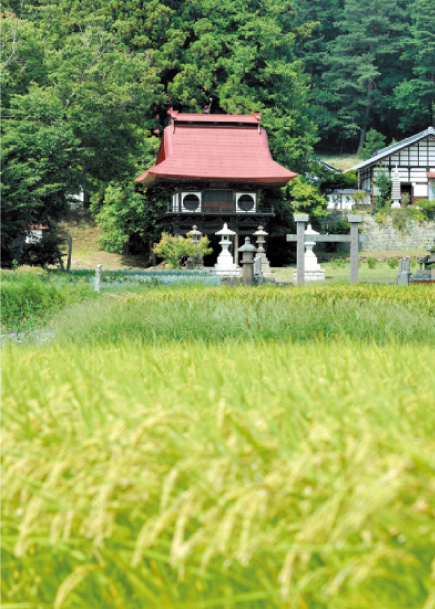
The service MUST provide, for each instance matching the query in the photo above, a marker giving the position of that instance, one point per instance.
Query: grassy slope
(246, 476)
(86, 251)
(341, 162)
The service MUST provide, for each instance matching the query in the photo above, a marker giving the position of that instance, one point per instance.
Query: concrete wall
(385, 237)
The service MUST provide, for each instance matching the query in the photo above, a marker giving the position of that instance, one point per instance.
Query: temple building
(215, 168)
(410, 162)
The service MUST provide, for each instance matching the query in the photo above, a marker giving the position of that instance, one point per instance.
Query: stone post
(301, 221)
(404, 271)
(248, 250)
(98, 277)
(354, 222)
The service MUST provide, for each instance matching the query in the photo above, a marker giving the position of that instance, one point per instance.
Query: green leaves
(175, 250)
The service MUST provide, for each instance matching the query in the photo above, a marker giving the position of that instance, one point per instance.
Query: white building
(343, 199)
(414, 158)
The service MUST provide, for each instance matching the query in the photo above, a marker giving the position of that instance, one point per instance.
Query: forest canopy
(86, 85)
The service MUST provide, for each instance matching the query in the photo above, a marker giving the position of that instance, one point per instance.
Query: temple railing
(224, 209)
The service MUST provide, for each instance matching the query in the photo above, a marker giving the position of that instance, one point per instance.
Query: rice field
(197, 447)
(364, 313)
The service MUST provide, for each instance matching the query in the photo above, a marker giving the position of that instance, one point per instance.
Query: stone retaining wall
(417, 235)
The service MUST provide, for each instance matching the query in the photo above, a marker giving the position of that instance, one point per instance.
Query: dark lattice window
(218, 196)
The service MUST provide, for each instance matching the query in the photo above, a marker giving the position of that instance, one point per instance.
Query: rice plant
(365, 313)
(231, 475)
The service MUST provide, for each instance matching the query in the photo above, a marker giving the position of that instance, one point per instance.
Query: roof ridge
(380, 154)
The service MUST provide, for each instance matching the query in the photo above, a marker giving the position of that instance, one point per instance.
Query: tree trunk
(362, 137)
(68, 264)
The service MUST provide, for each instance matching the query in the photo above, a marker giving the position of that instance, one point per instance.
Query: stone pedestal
(312, 270)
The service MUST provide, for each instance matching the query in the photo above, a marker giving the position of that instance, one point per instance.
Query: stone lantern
(261, 235)
(195, 262)
(248, 250)
(225, 264)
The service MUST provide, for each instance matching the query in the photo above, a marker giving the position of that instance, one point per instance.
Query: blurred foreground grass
(234, 475)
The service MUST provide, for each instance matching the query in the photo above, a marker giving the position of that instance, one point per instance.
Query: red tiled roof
(216, 147)
(38, 227)
(431, 174)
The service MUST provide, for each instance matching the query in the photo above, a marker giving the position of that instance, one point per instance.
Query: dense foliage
(371, 66)
(86, 85)
(31, 295)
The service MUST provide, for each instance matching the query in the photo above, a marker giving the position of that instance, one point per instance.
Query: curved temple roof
(216, 147)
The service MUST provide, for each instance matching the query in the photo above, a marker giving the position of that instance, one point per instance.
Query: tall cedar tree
(415, 96)
(314, 49)
(353, 56)
(369, 41)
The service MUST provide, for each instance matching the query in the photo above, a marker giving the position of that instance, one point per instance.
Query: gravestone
(404, 271)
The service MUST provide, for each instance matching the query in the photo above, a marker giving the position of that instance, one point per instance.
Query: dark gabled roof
(386, 152)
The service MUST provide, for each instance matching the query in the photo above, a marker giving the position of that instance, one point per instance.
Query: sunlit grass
(365, 313)
(232, 475)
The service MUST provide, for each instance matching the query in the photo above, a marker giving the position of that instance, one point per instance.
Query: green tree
(369, 40)
(88, 83)
(314, 48)
(374, 141)
(415, 96)
(352, 55)
(383, 186)
(128, 217)
(72, 110)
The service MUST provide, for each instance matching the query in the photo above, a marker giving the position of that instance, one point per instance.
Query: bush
(399, 219)
(46, 251)
(393, 263)
(372, 262)
(427, 207)
(28, 298)
(381, 218)
(176, 250)
(338, 263)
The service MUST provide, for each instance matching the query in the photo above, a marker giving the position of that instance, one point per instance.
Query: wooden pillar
(354, 222)
(301, 221)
